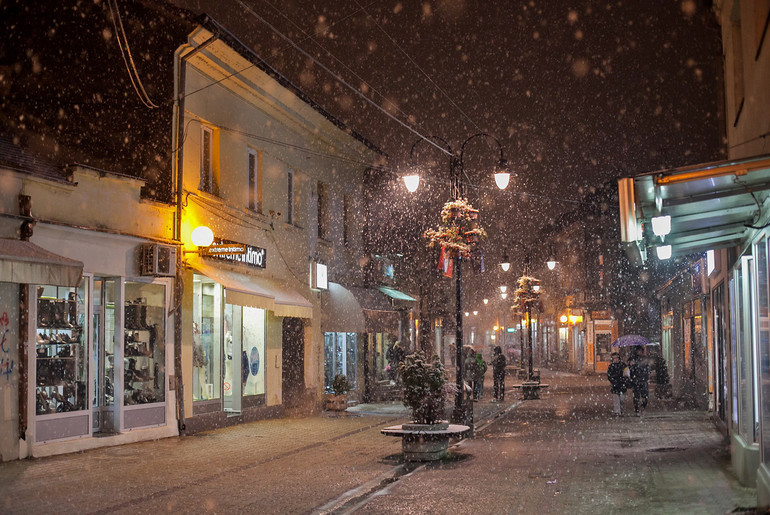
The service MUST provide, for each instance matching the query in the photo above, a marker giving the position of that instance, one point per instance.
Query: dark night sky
(578, 93)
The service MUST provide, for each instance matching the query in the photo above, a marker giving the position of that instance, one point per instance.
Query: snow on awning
(26, 263)
(341, 312)
(258, 292)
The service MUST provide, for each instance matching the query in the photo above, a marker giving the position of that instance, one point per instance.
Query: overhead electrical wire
(454, 104)
(362, 80)
(357, 92)
(340, 79)
(133, 74)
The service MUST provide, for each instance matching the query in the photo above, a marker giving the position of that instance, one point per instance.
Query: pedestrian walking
(640, 377)
(618, 383)
(498, 374)
(478, 380)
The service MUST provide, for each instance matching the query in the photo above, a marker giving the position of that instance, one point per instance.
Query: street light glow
(202, 236)
(502, 179)
(505, 264)
(412, 182)
(661, 225)
(664, 251)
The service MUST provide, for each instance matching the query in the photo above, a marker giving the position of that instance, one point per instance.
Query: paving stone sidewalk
(567, 453)
(561, 453)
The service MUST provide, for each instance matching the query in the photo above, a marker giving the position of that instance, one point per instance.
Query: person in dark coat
(498, 374)
(618, 384)
(640, 377)
(478, 378)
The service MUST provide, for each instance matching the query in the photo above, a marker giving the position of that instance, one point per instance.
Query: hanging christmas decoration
(459, 231)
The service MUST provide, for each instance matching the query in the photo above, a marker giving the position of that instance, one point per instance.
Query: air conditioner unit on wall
(158, 260)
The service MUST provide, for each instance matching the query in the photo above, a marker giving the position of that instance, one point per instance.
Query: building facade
(90, 353)
(715, 307)
(279, 182)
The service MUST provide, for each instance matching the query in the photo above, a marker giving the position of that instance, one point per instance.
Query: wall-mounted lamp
(201, 237)
(504, 295)
(486, 301)
(536, 288)
(503, 289)
(661, 225)
(467, 314)
(475, 312)
(664, 251)
(551, 263)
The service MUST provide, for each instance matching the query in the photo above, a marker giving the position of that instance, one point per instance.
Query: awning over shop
(713, 205)
(378, 312)
(340, 311)
(394, 293)
(258, 292)
(26, 263)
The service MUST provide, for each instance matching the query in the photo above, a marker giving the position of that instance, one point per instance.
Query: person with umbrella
(618, 385)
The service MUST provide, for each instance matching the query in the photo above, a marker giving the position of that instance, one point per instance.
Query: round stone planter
(425, 442)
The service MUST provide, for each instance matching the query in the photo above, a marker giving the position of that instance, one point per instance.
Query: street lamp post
(463, 409)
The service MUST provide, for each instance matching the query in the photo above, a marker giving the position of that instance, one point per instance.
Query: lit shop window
(144, 350)
(61, 360)
(207, 338)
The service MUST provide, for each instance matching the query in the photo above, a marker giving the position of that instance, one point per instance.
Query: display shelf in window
(60, 368)
(142, 355)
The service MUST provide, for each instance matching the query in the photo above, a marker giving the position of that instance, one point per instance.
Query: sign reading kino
(237, 252)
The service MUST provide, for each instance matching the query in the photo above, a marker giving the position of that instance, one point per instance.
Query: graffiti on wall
(6, 363)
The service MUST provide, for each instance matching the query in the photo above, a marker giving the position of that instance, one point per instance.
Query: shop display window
(603, 346)
(61, 361)
(207, 338)
(339, 357)
(144, 351)
(763, 306)
(244, 331)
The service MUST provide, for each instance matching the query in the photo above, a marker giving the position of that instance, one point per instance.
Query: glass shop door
(232, 384)
(105, 419)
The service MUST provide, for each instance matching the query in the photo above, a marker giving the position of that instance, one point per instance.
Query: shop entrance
(105, 419)
(293, 380)
(232, 383)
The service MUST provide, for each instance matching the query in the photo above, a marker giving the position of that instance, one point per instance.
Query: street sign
(510, 330)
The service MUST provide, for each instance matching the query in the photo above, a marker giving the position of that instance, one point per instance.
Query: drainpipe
(180, 58)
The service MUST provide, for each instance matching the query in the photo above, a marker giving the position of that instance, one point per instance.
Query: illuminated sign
(237, 252)
(319, 276)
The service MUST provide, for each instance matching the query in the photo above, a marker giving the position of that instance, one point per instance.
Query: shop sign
(237, 252)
